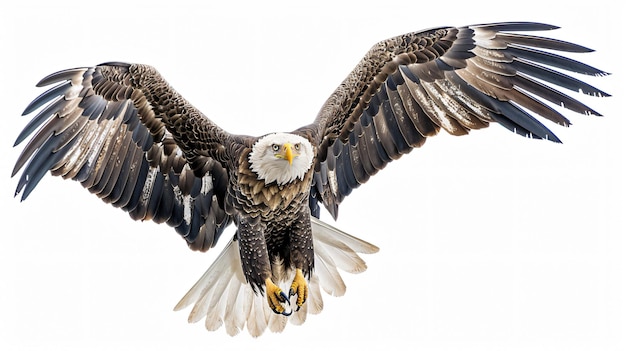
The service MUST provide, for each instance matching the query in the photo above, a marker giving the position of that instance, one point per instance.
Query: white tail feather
(223, 297)
(332, 236)
(330, 278)
(315, 303)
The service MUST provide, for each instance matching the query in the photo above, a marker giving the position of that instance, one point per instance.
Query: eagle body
(273, 222)
(128, 137)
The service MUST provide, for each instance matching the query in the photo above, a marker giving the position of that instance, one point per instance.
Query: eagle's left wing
(105, 127)
(409, 87)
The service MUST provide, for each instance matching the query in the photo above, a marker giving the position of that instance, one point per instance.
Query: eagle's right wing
(105, 127)
(409, 87)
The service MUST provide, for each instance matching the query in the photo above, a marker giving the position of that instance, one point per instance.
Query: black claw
(291, 292)
(283, 312)
(285, 298)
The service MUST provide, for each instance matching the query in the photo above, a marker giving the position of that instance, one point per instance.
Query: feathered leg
(256, 266)
(301, 256)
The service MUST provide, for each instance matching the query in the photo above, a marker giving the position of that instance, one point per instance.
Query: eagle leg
(276, 298)
(300, 288)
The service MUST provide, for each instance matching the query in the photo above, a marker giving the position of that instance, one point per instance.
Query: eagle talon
(276, 298)
(300, 288)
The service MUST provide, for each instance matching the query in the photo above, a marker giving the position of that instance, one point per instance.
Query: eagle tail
(223, 298)
(336, 249)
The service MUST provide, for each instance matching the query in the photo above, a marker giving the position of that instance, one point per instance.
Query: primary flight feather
(131, 139)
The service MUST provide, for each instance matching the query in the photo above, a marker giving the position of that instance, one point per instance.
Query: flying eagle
(131, 139)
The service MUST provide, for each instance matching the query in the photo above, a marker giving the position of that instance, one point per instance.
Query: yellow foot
(300, 288)
(276, 298)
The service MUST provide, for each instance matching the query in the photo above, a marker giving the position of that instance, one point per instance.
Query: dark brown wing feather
(128, 137)
(409, 87)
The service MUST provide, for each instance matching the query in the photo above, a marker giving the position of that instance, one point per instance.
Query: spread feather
(223, 298)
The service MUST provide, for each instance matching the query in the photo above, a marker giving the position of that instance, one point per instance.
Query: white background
(488, 242)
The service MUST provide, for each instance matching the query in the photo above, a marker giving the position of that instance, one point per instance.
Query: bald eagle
(132, 140)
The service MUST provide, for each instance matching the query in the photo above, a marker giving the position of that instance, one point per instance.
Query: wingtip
(522, 26)
(24, 196)
(32, 106)
(65, 74)
(552, 137)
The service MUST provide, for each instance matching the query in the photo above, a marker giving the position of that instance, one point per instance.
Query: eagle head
(281, 158)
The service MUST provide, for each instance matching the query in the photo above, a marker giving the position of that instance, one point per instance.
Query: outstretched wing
(128, 137)
(409, 87)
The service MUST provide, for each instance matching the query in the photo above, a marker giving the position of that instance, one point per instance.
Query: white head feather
(270, 168)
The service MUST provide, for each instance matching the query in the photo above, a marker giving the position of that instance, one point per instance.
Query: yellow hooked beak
(288, 152)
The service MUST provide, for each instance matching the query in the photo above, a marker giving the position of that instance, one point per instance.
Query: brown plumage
(132, 140)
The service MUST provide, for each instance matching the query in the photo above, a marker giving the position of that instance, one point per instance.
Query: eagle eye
(275, 147)
(297, 147)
